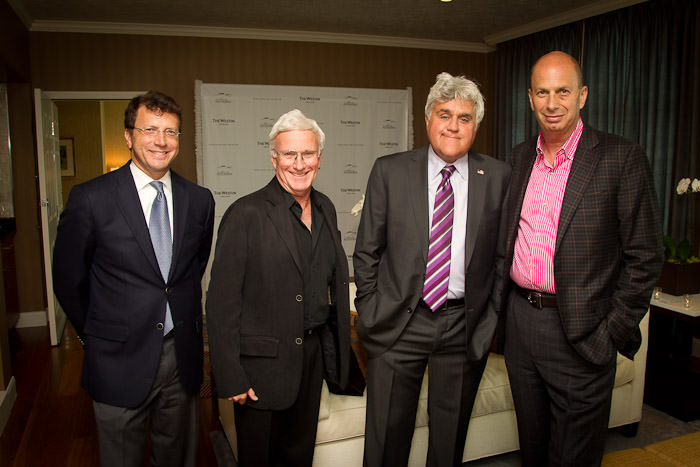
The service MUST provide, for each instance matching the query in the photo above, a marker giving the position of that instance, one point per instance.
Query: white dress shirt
(147, 193)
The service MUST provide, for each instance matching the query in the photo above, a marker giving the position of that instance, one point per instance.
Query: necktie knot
(446, 172)
(158, 186)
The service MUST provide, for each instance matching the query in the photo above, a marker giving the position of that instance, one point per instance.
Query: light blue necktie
(159, 228)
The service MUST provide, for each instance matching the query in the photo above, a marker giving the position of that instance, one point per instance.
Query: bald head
(557, 96)
(558, 60)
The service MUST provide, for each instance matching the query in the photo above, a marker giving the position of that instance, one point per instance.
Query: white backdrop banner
(233, 122)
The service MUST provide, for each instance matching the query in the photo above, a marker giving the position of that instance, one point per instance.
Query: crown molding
(259, 34)
(587, 11)
(21, 12)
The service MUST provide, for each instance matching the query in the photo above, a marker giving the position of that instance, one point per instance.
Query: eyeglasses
(152, 132)
(291, 156)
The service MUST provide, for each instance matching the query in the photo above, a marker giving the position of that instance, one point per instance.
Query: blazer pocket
(109, 331)
(259, 346)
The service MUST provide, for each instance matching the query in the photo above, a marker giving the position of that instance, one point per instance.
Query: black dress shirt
(317, 262)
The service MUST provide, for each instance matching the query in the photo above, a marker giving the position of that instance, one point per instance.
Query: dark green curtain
(642, 68)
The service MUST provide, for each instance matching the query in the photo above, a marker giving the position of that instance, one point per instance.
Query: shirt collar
(569, 147)
(142, 180)
(435, 164)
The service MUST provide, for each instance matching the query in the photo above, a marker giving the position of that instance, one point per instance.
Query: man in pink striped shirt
(584, 237)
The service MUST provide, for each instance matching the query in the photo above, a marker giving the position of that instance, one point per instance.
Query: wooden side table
(673, 372)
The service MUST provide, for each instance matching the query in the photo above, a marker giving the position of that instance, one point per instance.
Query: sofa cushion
(625, 370)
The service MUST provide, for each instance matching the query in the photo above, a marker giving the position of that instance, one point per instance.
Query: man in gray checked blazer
(584, 251)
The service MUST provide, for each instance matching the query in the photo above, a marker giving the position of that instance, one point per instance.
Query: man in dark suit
(132, 291)
(278, 309)
(584, 252)
(428, 269)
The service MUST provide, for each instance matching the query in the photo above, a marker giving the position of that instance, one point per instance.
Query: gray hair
(448, 87)
(295, 120)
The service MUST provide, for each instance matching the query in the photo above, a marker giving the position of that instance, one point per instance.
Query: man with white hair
(278, 307)
(429, 269)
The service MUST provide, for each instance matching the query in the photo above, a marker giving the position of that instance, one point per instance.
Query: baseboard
(31, 319)
(7, 401)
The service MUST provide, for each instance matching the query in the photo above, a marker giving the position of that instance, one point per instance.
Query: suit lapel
(127, 199)
(278, 213)
(519, 178)
(418, 188)
(180, 207)
(582, 168)
(475, 204)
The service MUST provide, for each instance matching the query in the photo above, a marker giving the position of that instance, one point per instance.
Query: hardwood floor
(52, 422)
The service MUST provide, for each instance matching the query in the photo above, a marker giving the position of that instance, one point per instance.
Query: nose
(160, 138)
(299, 163)
(452, 124)
(552, 101)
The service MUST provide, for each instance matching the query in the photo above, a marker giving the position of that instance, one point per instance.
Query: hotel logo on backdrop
(224, 170)
(351, 101)
(223, 121)
(389, 124)
(350, 123)
(309, 99)
(350, 169)
(267, 122)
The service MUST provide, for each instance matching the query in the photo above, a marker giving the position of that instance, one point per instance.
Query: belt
(449, 303)
(537, 299)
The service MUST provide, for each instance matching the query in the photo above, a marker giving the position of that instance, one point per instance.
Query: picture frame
(66, 157)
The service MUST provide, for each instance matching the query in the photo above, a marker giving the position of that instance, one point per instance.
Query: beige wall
(81, 121)
(116, 151)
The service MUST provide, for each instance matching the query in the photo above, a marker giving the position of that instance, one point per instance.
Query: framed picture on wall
(67, 157)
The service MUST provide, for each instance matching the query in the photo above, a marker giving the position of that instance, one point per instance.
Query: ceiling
(471, 25)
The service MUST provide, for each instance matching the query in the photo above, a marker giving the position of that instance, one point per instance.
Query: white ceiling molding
(577, 14)
(21, 12)
(260, 34)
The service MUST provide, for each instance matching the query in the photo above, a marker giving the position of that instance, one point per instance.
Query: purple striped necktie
(437, 272)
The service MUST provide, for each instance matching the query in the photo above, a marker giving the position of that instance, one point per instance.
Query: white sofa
(492, 429)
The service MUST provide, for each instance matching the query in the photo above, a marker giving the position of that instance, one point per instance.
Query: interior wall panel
(106, 62)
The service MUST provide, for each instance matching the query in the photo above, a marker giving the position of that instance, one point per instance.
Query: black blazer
(255, 311)
(107, 280)
(392, 248)
(608, 251)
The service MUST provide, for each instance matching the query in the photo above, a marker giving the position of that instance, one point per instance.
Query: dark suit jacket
(608, 251)
(255, 310)
(108, 282)
(392, 248)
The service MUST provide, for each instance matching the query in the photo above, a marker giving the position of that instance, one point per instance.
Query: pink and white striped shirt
(533, 260)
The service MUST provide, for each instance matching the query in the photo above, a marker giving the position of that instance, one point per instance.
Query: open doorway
(59, 158)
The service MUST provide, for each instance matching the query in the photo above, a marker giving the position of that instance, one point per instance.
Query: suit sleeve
(371, 242)
(205, 245)
(641, 246)
(224, 304)
(72, 259)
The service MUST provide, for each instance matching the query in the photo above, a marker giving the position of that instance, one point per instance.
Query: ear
(529, 96)
(582, 96)
(127, 137)
(273, 159)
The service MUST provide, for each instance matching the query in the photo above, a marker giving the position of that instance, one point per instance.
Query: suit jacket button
(167, 291)
(159, 326)
(298, 340)
(299, 298)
